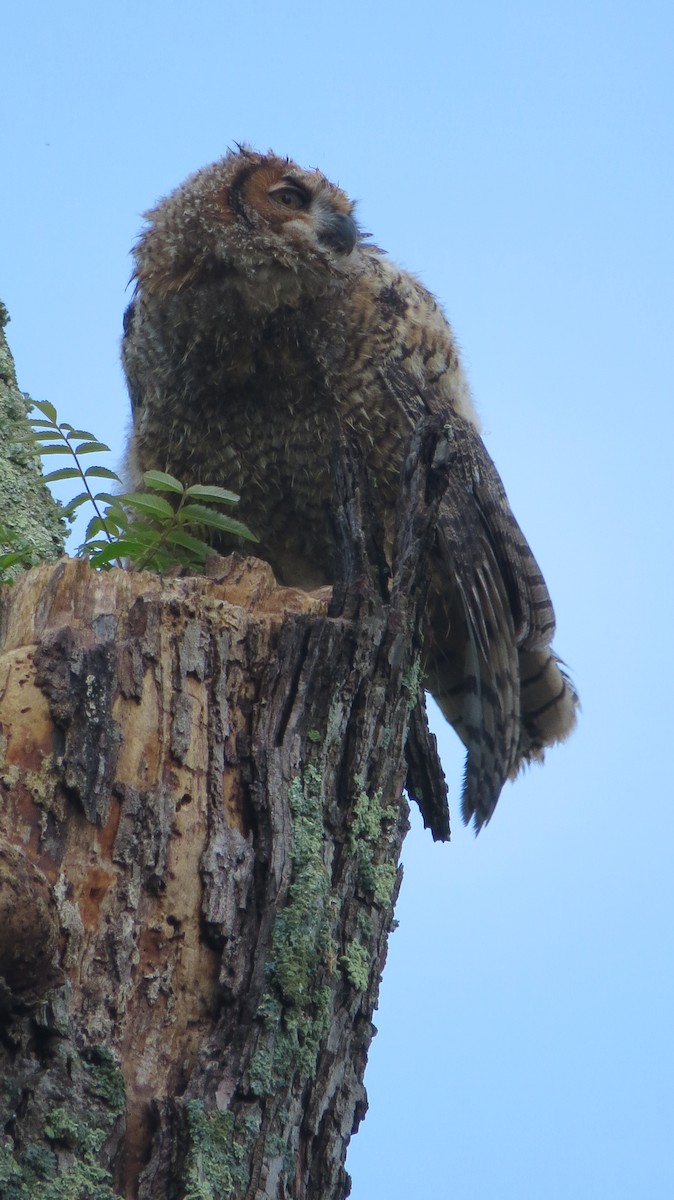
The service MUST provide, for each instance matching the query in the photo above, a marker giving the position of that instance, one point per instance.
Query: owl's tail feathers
(505, 726)
(487, 726)
(548, 705)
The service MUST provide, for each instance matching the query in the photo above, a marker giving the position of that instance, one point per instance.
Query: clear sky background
(518, 157)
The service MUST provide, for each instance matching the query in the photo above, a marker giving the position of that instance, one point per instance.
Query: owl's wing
(488, 525)
(489, 612)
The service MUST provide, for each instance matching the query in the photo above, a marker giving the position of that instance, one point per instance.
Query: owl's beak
(338, 231)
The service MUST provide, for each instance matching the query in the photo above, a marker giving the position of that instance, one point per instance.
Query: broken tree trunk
(201, 817)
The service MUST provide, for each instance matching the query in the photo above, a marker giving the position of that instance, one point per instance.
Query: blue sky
(518, 157)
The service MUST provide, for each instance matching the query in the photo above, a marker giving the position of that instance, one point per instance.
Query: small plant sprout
(139, 530)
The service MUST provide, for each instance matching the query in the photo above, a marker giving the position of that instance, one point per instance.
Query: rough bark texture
(29, 515)
(201, 817)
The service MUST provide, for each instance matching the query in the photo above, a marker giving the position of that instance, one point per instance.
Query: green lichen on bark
(376, 880)
(60, 1153)
(302, 931)
(356, 964)
(29, 515)
(217, 1160)
(411, 680)
(295, 1011)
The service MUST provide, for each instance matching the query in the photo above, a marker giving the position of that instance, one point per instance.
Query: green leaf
(179, 537)
(48, 409)
(101, 473)
(106, 525)
(62, 449)
(43, 435)
(161, 481)
(109, 553)
(64, 473)
(207, 516)
(12, 558)
(113, 504)
(91, 447)
(95, 526)
(159, 563)
(109, 529)
(72, 505)
(103, 500)
(144, 535)
(217, 495)
(154, 506)
(37, 423)
(80, 433)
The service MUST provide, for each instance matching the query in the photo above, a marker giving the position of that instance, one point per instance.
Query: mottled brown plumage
(263, 328)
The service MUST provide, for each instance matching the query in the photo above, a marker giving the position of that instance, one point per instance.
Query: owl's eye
(290, 197)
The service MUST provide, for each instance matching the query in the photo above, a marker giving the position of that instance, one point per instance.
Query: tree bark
(29, 515)
(201, 818)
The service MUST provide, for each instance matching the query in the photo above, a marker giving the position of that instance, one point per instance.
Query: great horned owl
(262, 324)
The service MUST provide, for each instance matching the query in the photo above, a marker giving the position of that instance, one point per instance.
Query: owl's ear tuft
(244, 150)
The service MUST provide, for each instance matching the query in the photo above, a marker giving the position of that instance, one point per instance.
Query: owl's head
(253, 222)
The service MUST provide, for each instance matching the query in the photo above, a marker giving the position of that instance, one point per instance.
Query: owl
(264, 327)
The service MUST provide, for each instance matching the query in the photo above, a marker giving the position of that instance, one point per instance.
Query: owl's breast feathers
(260, 332)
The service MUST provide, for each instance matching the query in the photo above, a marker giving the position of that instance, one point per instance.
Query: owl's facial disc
(334, 228)
(290, 195)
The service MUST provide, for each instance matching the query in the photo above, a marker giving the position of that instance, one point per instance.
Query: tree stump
(201, 818)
